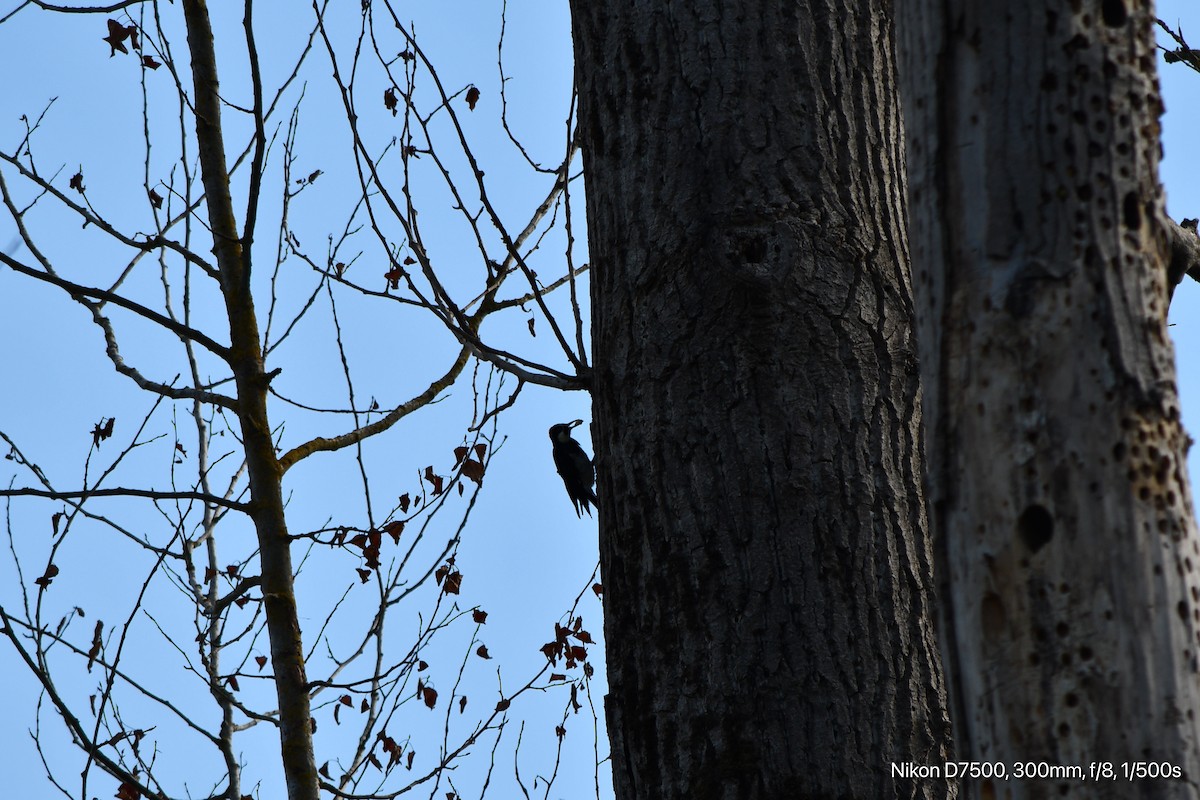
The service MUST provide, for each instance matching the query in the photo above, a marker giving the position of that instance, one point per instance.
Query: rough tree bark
(1056, 455)
(756, 402)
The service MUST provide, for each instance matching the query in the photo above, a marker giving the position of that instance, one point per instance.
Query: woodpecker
(574, 466)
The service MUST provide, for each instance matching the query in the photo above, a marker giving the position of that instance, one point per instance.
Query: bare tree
(1056, 454)
(181, 284)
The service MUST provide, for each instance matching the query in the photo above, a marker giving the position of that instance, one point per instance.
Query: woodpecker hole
(1132, 211)
(1035, 526)
(754, 250)
(1114, 13)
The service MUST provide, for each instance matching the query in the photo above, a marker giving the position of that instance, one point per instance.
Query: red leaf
(557, 676)
(598, 589)
(394, 529)
(453, 583)
(363, 574)
(430, 696)
(462, 704)
(324, 770)
(393, 277)
(345, 700)
(434, 480)
(422, 666)
(241, 601)
(233, 682)
(389, 100)
(474, 470)
(117, 34)
(584, 637)
(482, 652)
(472, 97)
(261, 661)
(102, 430)
(95, 651)
(560, 731)
(459, 452)
(77, 182)
(156, 201)
(480, 449)
(404, 502)
(411, 753)
(503, 704)
(479, 615)
(337, 717)
(150, 63)
(371, 550)
(128, 791)
(55, 519)
(47, 577)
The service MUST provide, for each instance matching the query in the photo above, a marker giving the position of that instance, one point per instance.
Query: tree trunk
(262, 467)
(1056, 461)
(767, 575)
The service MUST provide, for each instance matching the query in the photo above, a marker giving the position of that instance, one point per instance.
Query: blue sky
(525, 555)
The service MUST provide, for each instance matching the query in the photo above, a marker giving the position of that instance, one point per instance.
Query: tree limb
(1185, 252)
(120, 492)
(79, 290)
(322, 444)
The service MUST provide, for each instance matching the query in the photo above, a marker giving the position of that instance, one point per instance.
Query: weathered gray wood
(1056, 455)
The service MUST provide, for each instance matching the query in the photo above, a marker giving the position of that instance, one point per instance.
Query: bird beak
(573, 424)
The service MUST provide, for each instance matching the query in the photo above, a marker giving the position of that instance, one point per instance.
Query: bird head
(562, 431)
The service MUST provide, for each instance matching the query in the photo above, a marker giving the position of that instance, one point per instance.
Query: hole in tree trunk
(1035, 526)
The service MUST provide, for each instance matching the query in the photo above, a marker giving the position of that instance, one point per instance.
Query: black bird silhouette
(574, 466)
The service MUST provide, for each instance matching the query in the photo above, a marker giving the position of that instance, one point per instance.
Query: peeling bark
(1056, 455)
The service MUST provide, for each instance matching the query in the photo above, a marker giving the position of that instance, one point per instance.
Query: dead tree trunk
(1056, 455)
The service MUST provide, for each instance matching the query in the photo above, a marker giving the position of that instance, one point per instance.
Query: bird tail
(589, 498)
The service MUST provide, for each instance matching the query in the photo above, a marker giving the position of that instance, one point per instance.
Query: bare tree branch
(147, 493)
(77, 290)
(1185, 252)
